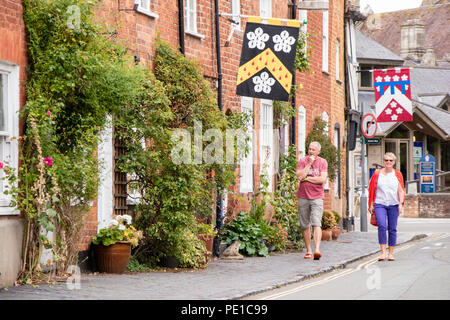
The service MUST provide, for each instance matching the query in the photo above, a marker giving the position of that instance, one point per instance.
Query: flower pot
(326, 235)
(335, 233)
(113, 258)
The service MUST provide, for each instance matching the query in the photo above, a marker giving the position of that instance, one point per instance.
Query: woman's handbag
(373, 220)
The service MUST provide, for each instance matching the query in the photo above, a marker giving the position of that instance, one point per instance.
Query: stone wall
(436, 205)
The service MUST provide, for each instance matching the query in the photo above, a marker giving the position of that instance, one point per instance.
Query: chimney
(412, 40)
(429, 58)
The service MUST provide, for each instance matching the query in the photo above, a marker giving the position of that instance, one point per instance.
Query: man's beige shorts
(310, 212)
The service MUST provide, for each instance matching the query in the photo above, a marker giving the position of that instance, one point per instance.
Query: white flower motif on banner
(283, 42)
(257, 39)
(263, 83)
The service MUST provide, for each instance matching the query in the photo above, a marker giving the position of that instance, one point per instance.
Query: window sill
(339, 81)
(195, 35)
(146, 12)
(325, 72)
(8, 211)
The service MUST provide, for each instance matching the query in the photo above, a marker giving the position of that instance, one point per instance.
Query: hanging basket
(113, 258)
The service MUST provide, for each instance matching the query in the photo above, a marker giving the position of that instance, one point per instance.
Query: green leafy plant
(206, 230)
(247, 230)
(119, 229)
(303, 53)
(285, 200)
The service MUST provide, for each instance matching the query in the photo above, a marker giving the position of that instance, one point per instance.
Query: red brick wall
(319, 91)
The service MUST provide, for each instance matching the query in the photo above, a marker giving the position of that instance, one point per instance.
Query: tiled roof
(369, 49)
(385, 27)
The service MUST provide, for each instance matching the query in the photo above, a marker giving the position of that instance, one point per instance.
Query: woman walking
(386, 200)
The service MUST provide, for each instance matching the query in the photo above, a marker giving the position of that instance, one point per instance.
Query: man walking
(312, 172)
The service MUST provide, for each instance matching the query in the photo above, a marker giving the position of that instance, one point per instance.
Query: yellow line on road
(344, 273)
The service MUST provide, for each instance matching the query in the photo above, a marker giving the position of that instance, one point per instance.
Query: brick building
(13, 62)
(190, 25)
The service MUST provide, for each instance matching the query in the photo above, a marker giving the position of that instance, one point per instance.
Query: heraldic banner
(266, 67)
(392, 95)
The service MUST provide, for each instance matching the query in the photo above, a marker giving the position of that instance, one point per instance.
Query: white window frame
(9, 145)
(266, 150)
(336, 140)
(301, 120)
(105, 199)
(190, 19)
(236, 12)
(303, 17)
(265, 8)
(143, 6)
(338, 66)
(325, 40)
(286, 137)
(246, 164)
(326, 118)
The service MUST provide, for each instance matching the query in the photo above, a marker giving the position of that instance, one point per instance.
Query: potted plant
(206, 233)
(336, 230)
(328, 222)
(112, 244)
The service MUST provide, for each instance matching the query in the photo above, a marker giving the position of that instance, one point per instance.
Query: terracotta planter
(335, 233)
(113, 258)
(326, 235)
(208, 244)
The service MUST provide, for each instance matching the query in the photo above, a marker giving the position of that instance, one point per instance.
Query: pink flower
(48, 161)
(1, 165)
(49, 112)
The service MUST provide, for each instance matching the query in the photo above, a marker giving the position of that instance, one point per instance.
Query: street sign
(369, 126)
(427, 174)
(373, 140)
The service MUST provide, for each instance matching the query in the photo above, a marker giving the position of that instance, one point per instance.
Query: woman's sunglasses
(390, 160)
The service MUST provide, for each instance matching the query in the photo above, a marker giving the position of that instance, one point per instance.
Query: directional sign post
(369, 130)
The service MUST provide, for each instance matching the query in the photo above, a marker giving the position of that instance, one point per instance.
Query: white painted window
(286, 137)
(143, 6)
(190, 16)
(9, 128)
(337, 190)
(301, 131)
(265, 9)
(105, 200)
(266, 138)
(236, 12)
(303, 17)
(338, 70)
(326, 118)
(246, 164)
(325, 41)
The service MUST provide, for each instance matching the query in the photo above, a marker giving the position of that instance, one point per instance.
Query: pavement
(221, 280)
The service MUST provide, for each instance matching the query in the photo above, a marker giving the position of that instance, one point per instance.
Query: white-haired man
(312, 172)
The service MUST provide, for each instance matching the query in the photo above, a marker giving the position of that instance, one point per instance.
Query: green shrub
(248, 231)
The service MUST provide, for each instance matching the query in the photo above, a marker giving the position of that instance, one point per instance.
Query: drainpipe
(294, 16)
(181, 25)
(219, 210)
